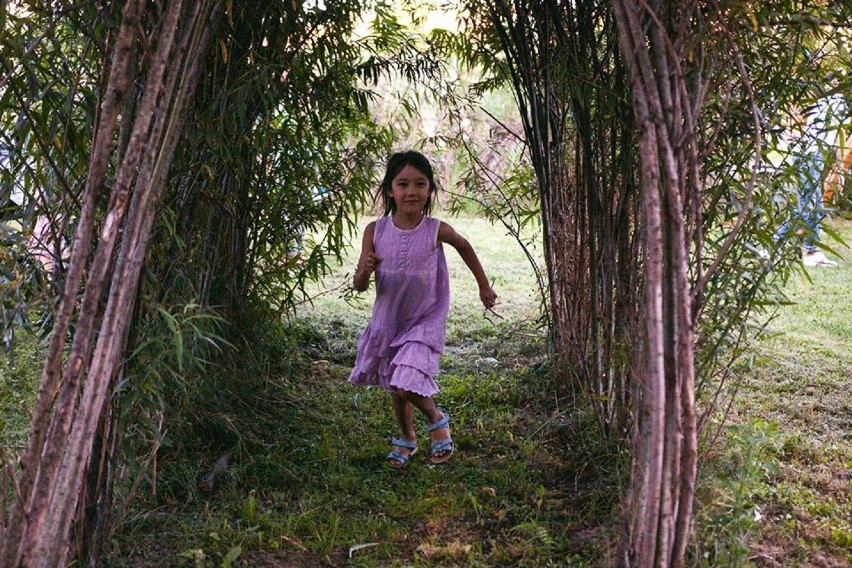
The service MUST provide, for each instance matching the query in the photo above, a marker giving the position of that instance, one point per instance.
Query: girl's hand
(369, 263)
(488, 296)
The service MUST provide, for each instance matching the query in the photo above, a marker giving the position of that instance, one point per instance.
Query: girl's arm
(447, 234)
(368, 261)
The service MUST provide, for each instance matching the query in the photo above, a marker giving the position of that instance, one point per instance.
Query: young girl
(400, 348)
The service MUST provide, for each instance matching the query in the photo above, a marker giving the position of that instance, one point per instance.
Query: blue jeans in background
(809, 212)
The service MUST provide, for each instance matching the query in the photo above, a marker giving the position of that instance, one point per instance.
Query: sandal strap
(444, 445)
(398, 456)
(403, 443)
(442, 423)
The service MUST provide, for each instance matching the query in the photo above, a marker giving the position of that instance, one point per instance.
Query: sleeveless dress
(402, 344)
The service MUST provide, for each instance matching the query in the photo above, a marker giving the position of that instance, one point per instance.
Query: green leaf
(233, 554)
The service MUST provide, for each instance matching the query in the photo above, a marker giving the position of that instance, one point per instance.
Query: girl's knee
(410, 396)
(402, 395)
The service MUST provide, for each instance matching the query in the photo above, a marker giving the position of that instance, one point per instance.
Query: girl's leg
(403, 411)
(426, 405)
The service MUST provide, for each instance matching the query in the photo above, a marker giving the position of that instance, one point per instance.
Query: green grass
(320, 487)
(531, 484)
(788, 501)
(528, 486)
(19, 375)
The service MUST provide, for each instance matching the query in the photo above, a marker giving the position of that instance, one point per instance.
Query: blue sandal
(399, 456)
(444, 446)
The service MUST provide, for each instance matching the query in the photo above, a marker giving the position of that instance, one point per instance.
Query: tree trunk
(567, 77)
(61, 441)
(665, 435)
(567, 262)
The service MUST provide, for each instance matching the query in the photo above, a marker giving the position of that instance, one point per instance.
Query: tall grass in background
(518, 304)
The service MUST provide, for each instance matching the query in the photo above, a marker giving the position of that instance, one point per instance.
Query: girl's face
(409, 190)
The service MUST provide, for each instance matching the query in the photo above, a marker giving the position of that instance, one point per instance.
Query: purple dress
(402, 344)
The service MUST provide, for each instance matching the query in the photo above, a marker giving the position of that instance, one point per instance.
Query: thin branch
(745, 209)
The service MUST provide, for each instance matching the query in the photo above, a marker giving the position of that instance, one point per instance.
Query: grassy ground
(525, 488)
(531, 483)
(797, 402)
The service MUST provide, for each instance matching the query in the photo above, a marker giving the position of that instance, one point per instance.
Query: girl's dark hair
(398, 161)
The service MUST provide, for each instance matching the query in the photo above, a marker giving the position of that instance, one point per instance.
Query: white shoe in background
(816, 258)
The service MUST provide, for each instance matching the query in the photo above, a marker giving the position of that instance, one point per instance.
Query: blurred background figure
(814, 154)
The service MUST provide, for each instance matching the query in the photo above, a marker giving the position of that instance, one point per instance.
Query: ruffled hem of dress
(423, 335)
(412, 380)
(419, 356)
(412, 368)
(362, 379)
